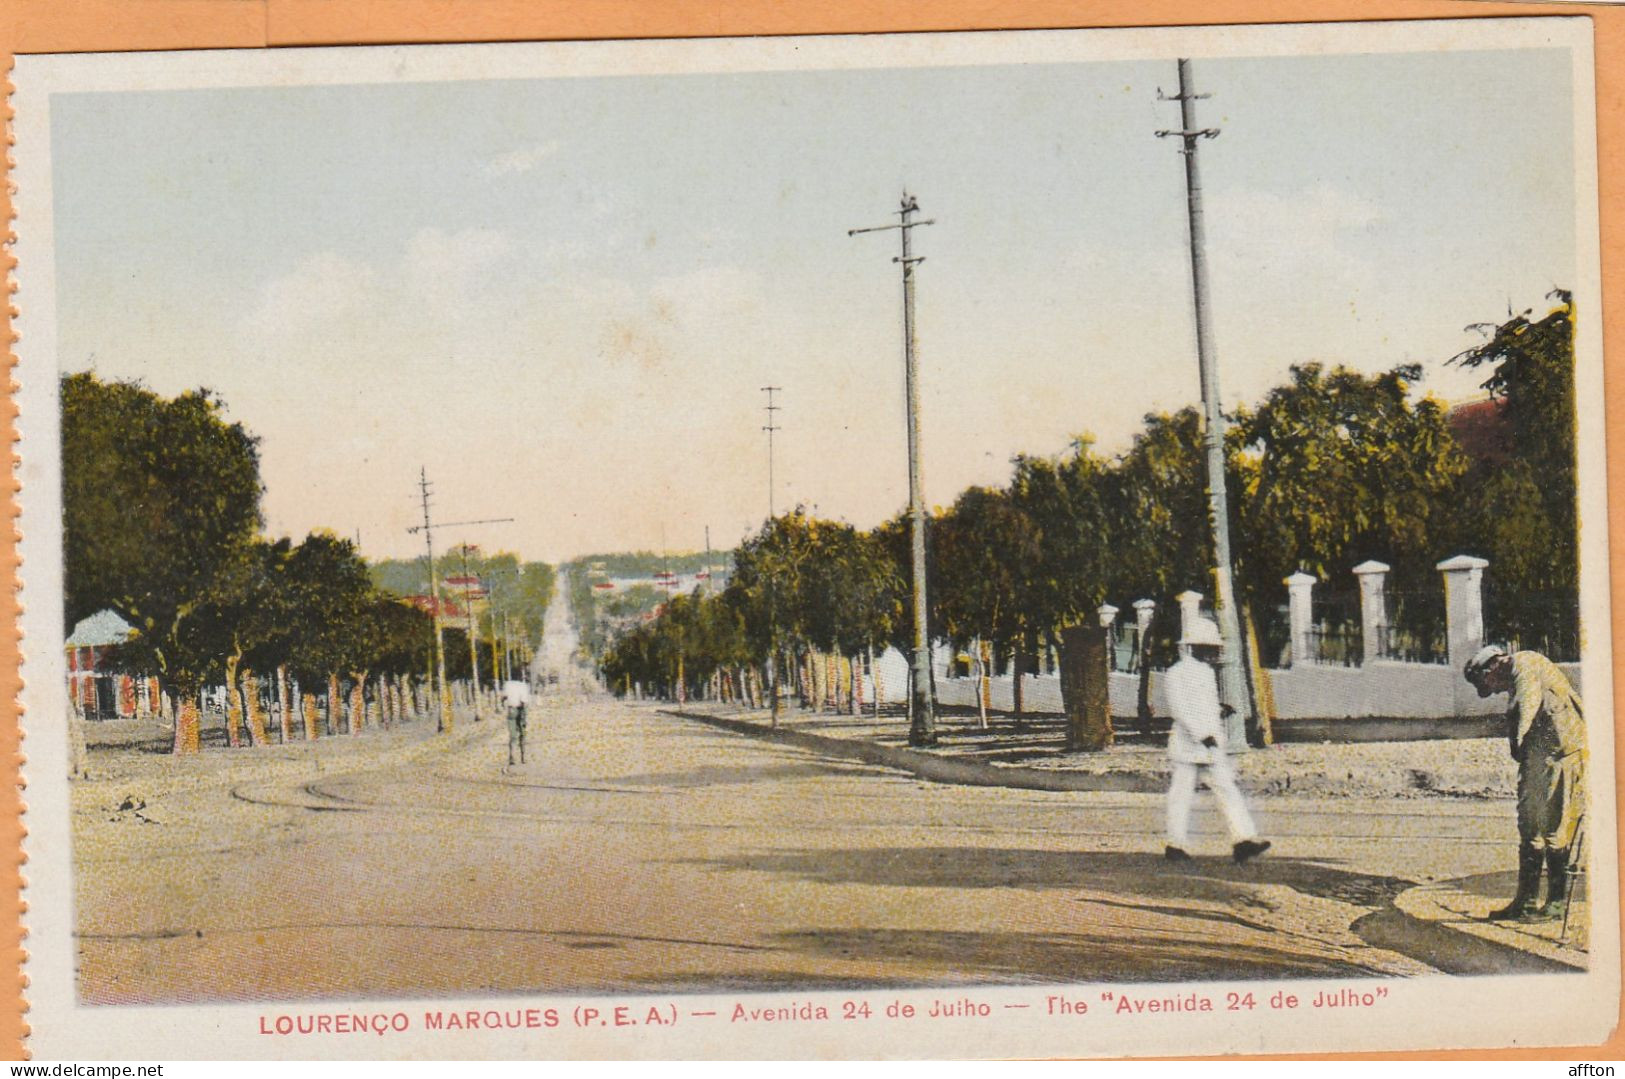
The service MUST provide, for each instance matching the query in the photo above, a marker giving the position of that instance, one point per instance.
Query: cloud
(441, 264)
(520, 161)
(1312, 238)
(320, 289)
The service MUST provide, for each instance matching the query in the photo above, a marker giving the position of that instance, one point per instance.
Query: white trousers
(1221, 778)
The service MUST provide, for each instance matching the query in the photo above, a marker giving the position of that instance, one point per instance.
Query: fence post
(1108, 622)
(1373, 577)
(1300, 595)
(1190, 609)
(1463, 606)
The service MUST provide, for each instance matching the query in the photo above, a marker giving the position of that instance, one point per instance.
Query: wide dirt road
(641, 851)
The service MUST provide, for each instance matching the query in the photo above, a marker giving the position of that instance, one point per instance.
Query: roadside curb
(932, 767)
(1445, 905)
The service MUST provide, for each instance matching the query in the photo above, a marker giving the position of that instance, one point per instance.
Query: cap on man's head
(1202, 631)
(1482, 660)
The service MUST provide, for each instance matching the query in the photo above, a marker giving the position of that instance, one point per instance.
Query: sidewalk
(1032, 756)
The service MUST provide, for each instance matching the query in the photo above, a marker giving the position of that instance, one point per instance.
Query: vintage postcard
(1065, 543)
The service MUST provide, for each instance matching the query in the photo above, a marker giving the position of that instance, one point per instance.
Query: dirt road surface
(642, 851)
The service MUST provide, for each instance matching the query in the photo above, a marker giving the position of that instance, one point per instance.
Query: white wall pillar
(1300, 593)
(1108, 622)
(1190, 609)
(1373, 577)
(1144, 611)
(1463, 606)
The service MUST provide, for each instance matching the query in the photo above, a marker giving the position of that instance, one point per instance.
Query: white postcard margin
(1423, 1013)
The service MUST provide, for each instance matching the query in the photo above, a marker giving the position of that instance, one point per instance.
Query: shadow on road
(1142, 883)
(1006, 957)
(1214, 879)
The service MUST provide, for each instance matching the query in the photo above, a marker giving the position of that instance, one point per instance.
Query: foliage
(160, 497)
(1332, 468)
(1520, 510)
(1339, 468)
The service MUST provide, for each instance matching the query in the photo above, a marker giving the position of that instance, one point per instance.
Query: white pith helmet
(1202, 631)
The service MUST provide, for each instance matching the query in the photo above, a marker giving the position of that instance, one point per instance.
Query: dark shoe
(1519, 910)
(1248, 849)
(1557, 884)
(1550, 911)
(1175, 854)
(1523, 901)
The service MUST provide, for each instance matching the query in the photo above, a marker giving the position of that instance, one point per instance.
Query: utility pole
(427, 528)
(709, 579)
(772, 612)
(1232, 678)
(444, 697)
(473, 636)
(922, 717)
(770, 427)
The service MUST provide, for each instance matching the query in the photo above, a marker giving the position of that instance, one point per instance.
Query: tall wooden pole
(1232, 674)
(922, 714)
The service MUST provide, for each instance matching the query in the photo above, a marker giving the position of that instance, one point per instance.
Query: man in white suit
(1197, 750)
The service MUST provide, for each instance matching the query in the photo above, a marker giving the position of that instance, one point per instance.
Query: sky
(560, 297)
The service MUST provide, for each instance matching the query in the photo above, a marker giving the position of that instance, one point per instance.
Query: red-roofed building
(448, 608)
(1483, 430)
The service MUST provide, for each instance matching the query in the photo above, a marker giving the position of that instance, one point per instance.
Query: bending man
(1547, 736)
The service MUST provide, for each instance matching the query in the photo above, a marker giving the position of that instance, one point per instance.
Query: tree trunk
(984, 680)
(256, 714)
(358, 702)
(1018, 667)
(880, 687)
(334, 705)
(1085, 690)
(312, 728)
(1143, 696)
(234, 703)
(1263, 733)
(187, 741)
(284, 704)
(78, 752)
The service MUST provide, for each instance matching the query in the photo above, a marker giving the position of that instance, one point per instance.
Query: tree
(159, 496)
(331, 595)
(1340, 467)
(1521, 508)
(984, 552)
(1155, 502)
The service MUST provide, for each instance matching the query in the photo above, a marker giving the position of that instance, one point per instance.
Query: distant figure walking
(1547, 737)
(1196, 748)
(516, 695)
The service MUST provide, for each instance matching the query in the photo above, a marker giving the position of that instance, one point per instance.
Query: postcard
(1022, 544)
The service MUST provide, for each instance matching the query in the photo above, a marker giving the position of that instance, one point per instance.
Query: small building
(97, 690)
(447, 608)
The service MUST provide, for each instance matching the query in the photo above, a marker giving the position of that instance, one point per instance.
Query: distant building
(447, 608)
(1483, 430)
(96, 690)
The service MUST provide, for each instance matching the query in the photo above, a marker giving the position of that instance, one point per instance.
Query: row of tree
(162, 525)
(1330, 469)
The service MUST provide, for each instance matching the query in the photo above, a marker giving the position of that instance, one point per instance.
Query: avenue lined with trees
(162, 526)
(1330, 469)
